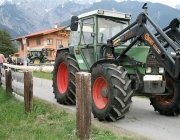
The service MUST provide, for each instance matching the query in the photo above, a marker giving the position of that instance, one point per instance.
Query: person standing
(14, 59)
(2, 60)
(9, 60)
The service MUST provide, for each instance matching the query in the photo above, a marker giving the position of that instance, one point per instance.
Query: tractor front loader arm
(138, 31)
(172, 31)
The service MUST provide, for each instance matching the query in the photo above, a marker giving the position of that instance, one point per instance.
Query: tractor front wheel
(111, 92)
(65, 68)
(168, 104)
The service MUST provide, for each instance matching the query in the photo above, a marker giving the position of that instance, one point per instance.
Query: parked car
(20, 61)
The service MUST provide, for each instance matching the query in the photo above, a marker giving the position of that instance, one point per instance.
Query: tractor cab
(90, 31)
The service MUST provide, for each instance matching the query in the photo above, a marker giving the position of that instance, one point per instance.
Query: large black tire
(64, 71)
(168, 105)
(111, 92)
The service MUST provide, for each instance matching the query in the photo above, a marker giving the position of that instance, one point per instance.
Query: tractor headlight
(148, 70)
(161, 70)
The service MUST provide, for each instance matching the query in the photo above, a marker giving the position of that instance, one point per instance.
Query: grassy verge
(43, 75)
(46, 122)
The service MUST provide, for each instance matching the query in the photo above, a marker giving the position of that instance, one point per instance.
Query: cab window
(87, 29)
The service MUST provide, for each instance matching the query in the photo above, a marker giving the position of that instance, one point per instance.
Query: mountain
(28, 17)
(177, 6)
(22, 17)
(160, 14)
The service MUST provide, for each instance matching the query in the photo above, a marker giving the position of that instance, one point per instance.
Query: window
(38, 41)
(74, 37)
(108, 27)
(87, 29)
(49, 41)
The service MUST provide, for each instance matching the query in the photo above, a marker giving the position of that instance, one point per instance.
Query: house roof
(41, 33)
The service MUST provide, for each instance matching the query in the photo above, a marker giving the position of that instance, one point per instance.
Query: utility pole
(24, 43)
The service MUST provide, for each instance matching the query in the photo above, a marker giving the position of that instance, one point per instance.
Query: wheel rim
(166, 100)
(36, 61)
(98, 86)
(62, 78)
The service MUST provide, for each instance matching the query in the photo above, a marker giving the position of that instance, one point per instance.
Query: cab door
(86, 56)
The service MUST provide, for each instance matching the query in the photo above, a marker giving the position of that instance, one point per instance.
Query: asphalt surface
(141, 119)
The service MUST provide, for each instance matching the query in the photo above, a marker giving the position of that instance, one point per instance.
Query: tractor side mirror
(74, 23)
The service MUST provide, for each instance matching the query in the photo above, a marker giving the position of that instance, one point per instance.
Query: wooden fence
(41, 68)
(83, 105)
(22, 82)
(19, 82)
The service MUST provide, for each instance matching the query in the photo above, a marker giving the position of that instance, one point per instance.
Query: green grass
(45, 122)
(43, 75)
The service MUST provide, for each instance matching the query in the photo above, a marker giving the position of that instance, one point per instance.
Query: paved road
(141, 119)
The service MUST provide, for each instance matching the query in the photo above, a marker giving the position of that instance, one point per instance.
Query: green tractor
(124, 60)
(37, 56)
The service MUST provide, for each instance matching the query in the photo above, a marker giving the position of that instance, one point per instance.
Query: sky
(171, 3)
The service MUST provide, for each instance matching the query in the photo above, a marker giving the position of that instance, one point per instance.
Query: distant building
(52, 38)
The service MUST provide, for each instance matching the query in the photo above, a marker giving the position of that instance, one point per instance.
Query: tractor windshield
(108, 27)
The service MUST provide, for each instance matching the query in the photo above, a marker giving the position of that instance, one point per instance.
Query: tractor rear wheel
(111, 92)
(168, 104)
(65, 68)
(36, 61)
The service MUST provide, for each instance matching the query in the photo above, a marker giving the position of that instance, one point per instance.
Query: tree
(6, 45)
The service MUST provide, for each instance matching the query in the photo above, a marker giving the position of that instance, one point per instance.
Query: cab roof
(106, 13)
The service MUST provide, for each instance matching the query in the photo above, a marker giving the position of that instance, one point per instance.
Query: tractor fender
(69, 49)
(103, 61)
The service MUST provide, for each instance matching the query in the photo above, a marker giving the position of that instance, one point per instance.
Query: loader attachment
(138, 32)
(172, 31)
